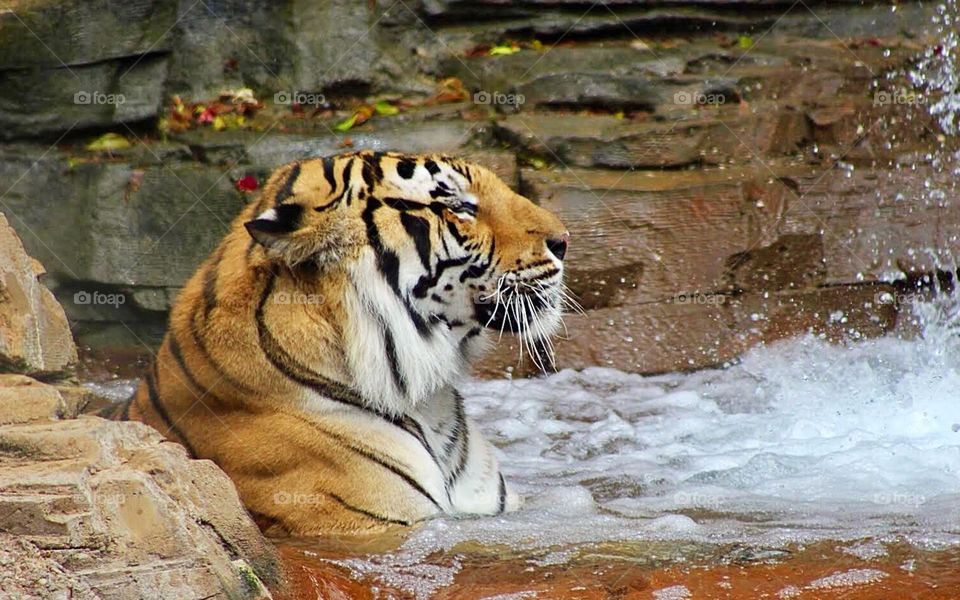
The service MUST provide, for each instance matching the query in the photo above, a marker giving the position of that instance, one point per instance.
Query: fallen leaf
(108, 142)
(247, 183)
(504, 50)
(449, 90)
(347, 124)
(385, 108)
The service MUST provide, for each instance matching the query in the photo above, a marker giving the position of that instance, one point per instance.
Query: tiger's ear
(275, 226)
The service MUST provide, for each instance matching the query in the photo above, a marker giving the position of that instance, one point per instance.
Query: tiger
(314, 355)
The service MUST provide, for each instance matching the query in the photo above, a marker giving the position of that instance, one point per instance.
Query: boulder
(92, 508)
(35, 336)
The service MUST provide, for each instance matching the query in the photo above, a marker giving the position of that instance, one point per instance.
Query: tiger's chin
(534, 319)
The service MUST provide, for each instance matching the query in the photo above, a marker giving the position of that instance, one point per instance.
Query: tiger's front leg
(481, 487)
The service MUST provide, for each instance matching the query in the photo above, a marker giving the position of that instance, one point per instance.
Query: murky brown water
(863, 570)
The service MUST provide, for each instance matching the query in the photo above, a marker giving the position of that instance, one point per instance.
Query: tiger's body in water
(313, 356)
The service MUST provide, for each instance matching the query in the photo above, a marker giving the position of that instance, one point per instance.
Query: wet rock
(872, 220)
(291, 46)
(269, 151)
(701, 330)
(35, 336)
(711, 137)
(112, 509)
(632, 18)
(649, 235)
(112, 233)
(791, 262)
(618, 76)
(57, 73)
(55, 35)
(47, 102)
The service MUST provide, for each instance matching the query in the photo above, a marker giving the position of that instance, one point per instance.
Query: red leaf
(247, 183)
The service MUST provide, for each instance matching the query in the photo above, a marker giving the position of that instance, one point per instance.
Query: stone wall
(731, 173)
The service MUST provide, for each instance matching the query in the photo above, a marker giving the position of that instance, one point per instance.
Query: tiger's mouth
(528, 308)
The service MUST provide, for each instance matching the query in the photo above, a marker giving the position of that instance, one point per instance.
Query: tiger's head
(440, 253)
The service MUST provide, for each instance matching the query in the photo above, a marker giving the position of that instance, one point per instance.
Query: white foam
(800, 441)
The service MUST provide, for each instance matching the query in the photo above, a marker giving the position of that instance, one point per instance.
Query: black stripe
(209, 303)
(291, 368)
(428, 281)
(287, 190)
(464, 439)
(367, 513)
(389, 264)
(441, 191)
(413, 427)
(432, 167)
(210, 282)
(456, 233)
(328, 174)
(372, 457)
(474, 272)
(474, 332)
(419, 229)
(372, 172)
(175, 350)
(463, 170)
(545, 275)
(391, 350)
(332, 204)
(404, 204)
(503, 496)
(162, 411)
(346, 177)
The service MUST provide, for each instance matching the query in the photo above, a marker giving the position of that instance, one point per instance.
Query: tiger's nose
(558, 245)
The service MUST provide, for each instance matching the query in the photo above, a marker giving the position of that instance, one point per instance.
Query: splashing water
(801, 441)
(938, 69)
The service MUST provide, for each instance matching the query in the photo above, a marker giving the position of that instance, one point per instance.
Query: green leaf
(107, 142)
(745, 42)
(503, 50)
(347, 124)
(385, 108)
